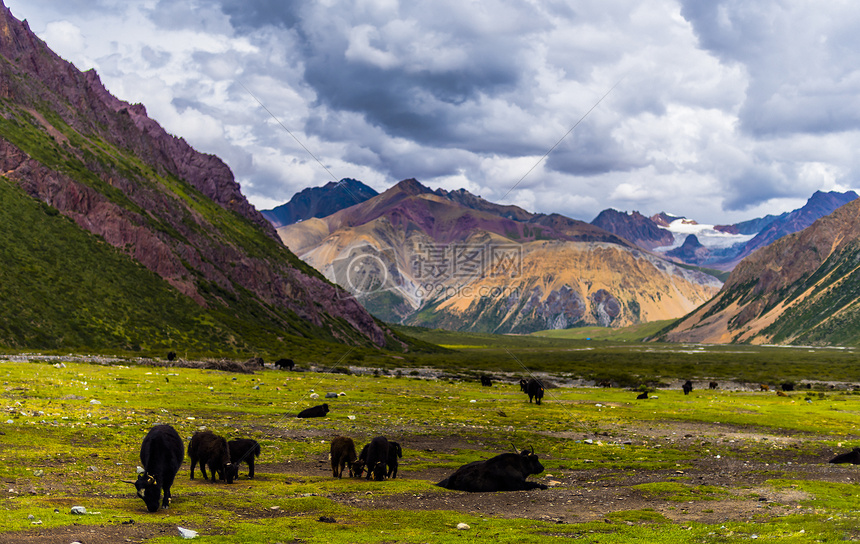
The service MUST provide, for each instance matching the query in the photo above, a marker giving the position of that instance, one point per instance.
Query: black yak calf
(285, 363)
(687, 387)
(342, 455)
(315, 411)
(505, 472)
(374, 457)
(486, 381)
(533, 388)
(242, 450)
(161, 455)
(642, 396)
(394, 451)
(852, 457)
(171, 355)
(713, 385)
(210, 449)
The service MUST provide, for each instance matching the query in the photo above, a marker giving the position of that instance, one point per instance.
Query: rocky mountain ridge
(418, 256)
(803, 288)
(66, 141)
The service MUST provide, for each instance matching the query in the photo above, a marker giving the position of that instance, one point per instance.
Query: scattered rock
(331, 395)
(463, 526)
(78, 510)
(187, 533)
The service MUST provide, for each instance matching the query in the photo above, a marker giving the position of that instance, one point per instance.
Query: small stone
(187, 533)
(78, 510)
(94, 401)
(463, 527)
(331, 395)
(31, 517)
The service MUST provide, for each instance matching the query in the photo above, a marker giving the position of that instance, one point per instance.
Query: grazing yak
(315, 411)
(374, 457)
(486, 381)
(394, 451)
(687, 387)
(713, 385)
(342, 455)
(161, 455)
(285, 363)
(533, 388)
(243, 450)
(852, 457)
(505, 472)
(210, 449)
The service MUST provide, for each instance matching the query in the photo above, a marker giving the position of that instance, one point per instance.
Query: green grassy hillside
(62, 288)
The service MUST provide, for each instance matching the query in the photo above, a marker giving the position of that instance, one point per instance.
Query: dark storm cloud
(800, 59)
(718, 107)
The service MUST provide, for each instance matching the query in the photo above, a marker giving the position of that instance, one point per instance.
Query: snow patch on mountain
(707, 235)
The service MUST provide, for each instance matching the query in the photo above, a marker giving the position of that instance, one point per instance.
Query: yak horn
(515, 447)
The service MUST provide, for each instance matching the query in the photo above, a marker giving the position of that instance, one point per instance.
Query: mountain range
(118, 235)
(804, 288)
(454, 260)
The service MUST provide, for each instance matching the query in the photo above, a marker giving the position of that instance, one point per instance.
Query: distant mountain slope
(802, 289)
(819, 205)
(320, 202)
(101, 165)
(637, 228)
(719, 247)
(417, 256)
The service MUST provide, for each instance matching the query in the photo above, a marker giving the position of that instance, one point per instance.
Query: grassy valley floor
(713, 466)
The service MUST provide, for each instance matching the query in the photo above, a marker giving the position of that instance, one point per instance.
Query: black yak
(243, 450)
(171, 355)
(210, 449)
(505, 472)
(394, 451)
(161, 454)
(314, 411)
(852, 457)
(342, 455)
(642, 396)
(486, 381)
(713, 385)
(285, 363)
(687, 387)
(533, 388)
(374, 458)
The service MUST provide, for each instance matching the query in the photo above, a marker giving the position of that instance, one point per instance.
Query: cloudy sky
(719, 110)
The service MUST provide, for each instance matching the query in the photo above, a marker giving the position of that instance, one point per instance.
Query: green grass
(634, 333)
(62, 450)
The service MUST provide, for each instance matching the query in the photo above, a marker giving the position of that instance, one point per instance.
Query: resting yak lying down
(505, 472)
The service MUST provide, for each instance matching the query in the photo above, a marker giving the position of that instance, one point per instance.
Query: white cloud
(722, 109)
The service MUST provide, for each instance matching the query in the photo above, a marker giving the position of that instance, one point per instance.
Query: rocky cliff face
(635, 227)
(180, 213)
(802, 289)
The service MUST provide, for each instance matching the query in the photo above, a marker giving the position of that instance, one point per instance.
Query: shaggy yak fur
(161, 454)
(505, 472)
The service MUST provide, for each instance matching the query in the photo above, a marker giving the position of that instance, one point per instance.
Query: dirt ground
(573, 496)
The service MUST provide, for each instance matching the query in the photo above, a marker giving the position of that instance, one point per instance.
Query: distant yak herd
(162, 453)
